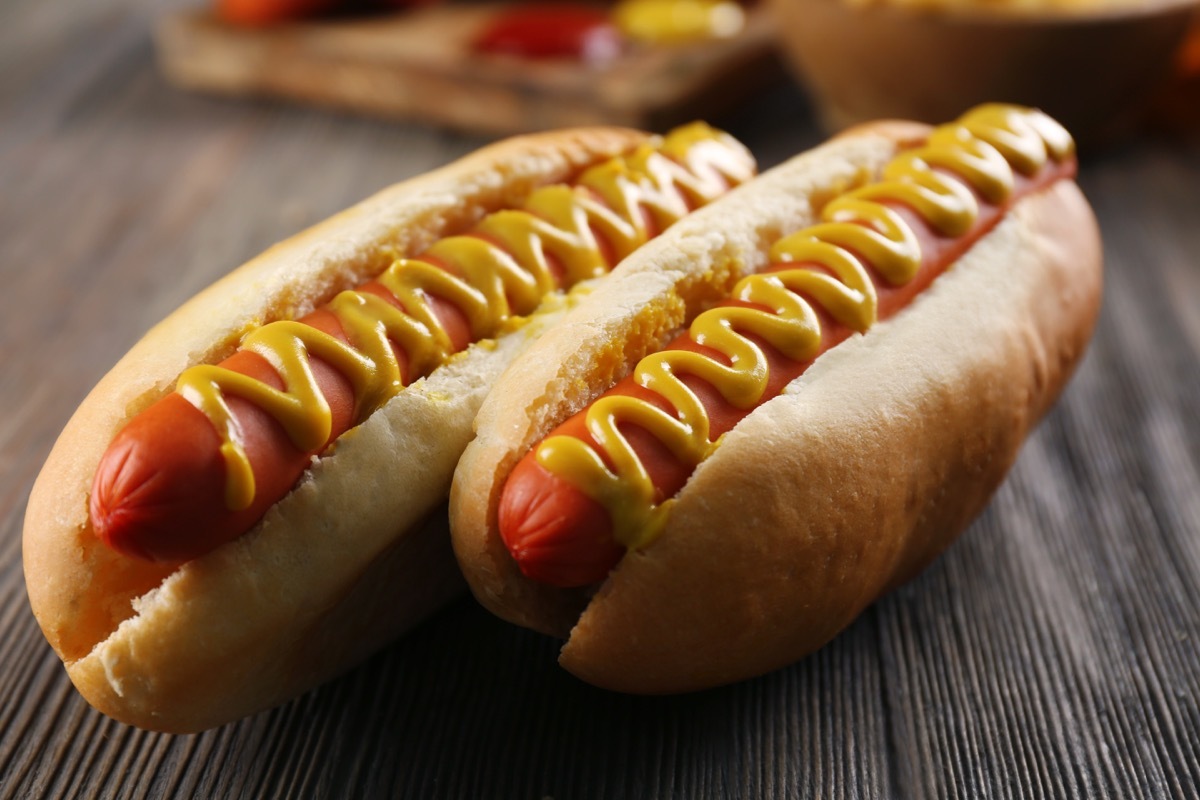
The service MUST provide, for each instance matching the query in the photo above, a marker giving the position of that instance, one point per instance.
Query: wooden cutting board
(419, 65)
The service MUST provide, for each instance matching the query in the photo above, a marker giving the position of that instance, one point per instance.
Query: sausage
(164, 491)
(216, 580)
(906, 303)
(560, 536)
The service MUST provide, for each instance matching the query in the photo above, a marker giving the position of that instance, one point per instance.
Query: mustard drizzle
(497, 271)
(856, 230)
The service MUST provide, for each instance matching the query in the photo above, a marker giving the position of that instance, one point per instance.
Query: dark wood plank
(1052, 652)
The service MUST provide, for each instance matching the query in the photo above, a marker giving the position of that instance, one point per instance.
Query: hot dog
(889, 334)
(246, 504)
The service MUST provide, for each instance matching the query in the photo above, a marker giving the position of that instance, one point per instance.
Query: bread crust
(304, 595)
(842, 487)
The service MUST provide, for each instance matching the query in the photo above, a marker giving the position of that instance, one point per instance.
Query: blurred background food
(484, 67)
(496, 67)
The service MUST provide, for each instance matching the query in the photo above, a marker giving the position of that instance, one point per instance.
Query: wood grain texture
(1052, 652)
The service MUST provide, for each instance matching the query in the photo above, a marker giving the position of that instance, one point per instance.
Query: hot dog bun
(823, 498)
(346, 561)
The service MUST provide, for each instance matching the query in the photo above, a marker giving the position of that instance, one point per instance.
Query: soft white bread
(341, 565)
(826, 496)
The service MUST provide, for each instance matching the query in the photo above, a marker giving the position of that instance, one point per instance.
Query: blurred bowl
(1093, 68)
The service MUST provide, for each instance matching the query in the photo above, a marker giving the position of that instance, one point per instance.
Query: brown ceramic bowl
(1093, 70)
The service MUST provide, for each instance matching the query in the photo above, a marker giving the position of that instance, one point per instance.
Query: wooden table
(1053, 652)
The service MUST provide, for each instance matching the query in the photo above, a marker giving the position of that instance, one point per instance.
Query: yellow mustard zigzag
(499, 270)
(859, 228)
